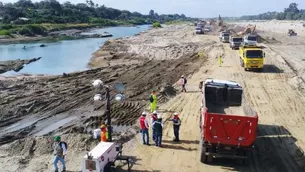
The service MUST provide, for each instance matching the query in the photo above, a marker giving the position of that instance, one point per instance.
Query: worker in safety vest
(153, 101)
(220, 60)
(104, 133)
(144, 128)
(176, 125)
(158, 125)
(153, 119)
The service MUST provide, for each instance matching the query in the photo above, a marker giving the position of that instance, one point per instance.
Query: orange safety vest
(103, 136)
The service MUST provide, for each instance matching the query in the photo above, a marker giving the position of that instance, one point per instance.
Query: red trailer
(228, 126)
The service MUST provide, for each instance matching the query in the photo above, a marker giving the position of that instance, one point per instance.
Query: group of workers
(156, 120)
(157, 128)
(101, 134)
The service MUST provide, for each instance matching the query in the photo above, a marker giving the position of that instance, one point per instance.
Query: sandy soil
(276, 94)
(280, 143)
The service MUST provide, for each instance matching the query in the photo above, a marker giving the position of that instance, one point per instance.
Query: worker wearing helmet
(183, 83)
(59, 153)
(153, 101)
(153, 119)
(144, 128)
(103, 133)
(158, 126)
(176, 125)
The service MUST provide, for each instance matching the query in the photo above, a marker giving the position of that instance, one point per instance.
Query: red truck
(227, 125)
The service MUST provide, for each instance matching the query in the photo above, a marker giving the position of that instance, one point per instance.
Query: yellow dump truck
(251, 57)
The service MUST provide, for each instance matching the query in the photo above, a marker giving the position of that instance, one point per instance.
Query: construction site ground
(157, 59)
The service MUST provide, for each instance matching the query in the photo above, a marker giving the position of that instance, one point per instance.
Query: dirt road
(281, 116)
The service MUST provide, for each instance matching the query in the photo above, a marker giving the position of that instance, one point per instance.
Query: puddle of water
(20, 125)
(55, 126)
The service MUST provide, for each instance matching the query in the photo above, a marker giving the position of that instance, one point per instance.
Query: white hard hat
(144, 113)
(175, 113)
(155, 112)
(182, 76)
(97, 83)
(159, 116)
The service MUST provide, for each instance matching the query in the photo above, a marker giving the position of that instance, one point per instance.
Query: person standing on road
(220, 60)
(60, 151)
(153, 101)
(158, 125)
(176, 124)
(183, 83)
(144, 128)
(153, 119)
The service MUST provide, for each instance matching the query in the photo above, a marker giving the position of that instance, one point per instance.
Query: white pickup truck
(102, 158)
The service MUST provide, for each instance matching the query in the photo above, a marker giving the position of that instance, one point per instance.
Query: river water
(63, 56)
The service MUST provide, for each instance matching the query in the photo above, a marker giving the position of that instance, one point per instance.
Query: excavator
(250, 29)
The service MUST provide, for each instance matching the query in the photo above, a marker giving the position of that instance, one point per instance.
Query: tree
(293, 8)
(151, 13)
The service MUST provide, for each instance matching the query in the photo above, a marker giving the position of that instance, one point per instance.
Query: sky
(196, 8)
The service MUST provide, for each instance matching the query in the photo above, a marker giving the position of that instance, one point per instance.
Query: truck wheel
(245, 69)
(210, 157)
(242, 161)
(108, 168)
(203, 150)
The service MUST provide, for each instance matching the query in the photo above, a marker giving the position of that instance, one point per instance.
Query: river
(63, 56)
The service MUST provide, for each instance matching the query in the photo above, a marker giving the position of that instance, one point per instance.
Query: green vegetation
(5, 32)
(156, 25)
(51, 11)
(290, 13)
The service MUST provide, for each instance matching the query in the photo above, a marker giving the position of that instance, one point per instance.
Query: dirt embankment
(36, 107)
(15, 65)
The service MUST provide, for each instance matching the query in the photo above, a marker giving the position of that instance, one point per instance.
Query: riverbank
(10, 34)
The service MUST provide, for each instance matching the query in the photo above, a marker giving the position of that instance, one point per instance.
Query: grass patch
(5, 33)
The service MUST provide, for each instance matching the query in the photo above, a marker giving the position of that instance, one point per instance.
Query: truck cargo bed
(243, 110)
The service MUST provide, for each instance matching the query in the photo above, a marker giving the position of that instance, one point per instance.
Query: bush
(25, 31)
(36, 29)
(6, 27)
(156, 25)
(5, 32)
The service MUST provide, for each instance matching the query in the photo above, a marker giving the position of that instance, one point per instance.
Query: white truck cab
(250, 40)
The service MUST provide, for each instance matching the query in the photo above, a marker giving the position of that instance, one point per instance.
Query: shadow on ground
(121, 166)
(274, 149)
(270, 68)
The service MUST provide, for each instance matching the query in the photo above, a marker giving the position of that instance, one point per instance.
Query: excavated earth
(34, 108)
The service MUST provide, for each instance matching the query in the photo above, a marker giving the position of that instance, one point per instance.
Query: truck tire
(203, 150)
(210, 157)
(242, 161)
(108, 168)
